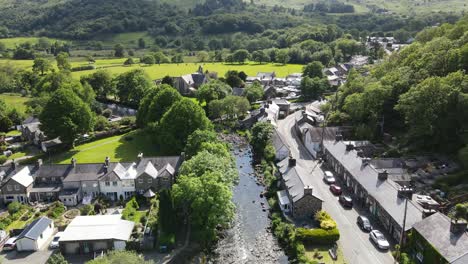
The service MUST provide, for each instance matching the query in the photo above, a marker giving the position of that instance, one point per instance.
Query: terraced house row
(74, 182)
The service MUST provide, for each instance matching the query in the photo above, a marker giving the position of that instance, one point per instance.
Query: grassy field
(15, 101)
(323, 251)
(10, 43)
(118, 148)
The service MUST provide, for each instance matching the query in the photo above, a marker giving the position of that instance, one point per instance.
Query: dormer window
(140, 180)
(17, 187)
(9, 188)
(150, 180)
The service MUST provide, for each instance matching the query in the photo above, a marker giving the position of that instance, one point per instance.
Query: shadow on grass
(135, 142)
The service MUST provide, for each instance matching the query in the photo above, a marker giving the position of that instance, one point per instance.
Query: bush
(56, 210)
(86, 210)
(3, 159)
(14, 207)
(83, 68)
(318, 236)
(167, 239)
(326, 221)
(107, 113)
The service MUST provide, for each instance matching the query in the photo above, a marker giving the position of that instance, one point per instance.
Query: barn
(35, 236)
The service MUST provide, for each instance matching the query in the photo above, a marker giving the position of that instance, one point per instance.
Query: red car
(335, 189)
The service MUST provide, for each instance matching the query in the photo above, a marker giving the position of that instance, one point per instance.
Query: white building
(35, 236)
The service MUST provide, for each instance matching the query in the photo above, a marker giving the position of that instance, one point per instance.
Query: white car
(10, 244)
(55, 241)
(379, 240)
(328, 177)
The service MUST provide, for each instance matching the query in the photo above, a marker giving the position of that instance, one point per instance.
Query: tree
(461, 212)
(119, 51)
(233, 79)
(118, 257)
(212, 91)
(262, 134)
(14, 207)
(62, 61)
(178, 123)
(101, 82)
(260, 56)
(282, 56)
(231, 107)
(41, 65)
(178, 58)
(129, 61)
(254, 92)
(202, 56)
(240, 56)
(148, 59)
(156, 103)
(132, 86)
(312, 88)
(167, 80)
(66, 116)
(159, 58)
(141, 43)
(5, 123)
(196, 139)
(166, 213)
(57, 258)
(207, 203)
(313, 70)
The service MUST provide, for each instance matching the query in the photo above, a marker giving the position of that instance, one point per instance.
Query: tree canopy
(156, 103)
(213, 90)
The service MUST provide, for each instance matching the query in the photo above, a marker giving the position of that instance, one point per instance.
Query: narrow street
(356, 246)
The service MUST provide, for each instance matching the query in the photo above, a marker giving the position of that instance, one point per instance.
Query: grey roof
(278, 142)
(296, 179)
(384, 192)
(79, 172)
(30, 120)
(35, 229)
(436, 230)
(159, 163)
(280, 101)
(51, 143)
(46, 188)
(315, 133)
(237, 91)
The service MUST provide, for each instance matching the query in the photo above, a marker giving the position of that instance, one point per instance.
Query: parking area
(15, 257)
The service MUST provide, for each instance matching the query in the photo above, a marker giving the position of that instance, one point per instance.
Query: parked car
(379, 239)
(10, 244)
(55, 242)
(328, 177)
(335, 189)
(364, 223)
(346, 201)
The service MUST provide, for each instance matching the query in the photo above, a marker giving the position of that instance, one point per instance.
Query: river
(248, 240)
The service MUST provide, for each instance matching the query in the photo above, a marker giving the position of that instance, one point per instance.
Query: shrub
(167, 239)
(318, 236)
(143, 219)
(3, 159)
(86, 210)
(107, 113)
(328, 224)
(14, 207)
(83, 68)
(56, 210)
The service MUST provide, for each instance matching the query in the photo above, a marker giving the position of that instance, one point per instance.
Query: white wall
(110, 189)
(26, 244)
(312, 147)
(119, 245)
(45, 236)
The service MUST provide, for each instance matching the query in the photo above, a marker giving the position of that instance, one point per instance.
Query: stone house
(189, 83)
(297, 198)
(282, 150)
(16, 184)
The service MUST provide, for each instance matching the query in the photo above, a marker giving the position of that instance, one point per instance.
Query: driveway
(14, 257)
(355, 243)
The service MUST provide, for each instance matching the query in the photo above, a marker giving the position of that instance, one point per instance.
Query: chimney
(73, 162)
(308, 190)
(383, 175)
(360, 153)
(107, 161)
(338, 136)
(140, 157)
(458, 226)
(105, 169)
(428, 212)
(14, 164)
(405, 192)
(365, 161)
(349, 147)
(39, 163)
(291, 162)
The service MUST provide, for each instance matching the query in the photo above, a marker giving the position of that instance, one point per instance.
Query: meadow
(115, 66)
(11, 43)
(15, 101)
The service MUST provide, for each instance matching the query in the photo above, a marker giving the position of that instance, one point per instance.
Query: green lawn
(119, 148)
(323, 251)
(10, 43)
(16, 101)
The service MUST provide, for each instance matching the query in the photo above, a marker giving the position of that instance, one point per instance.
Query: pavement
(355, 244)
(28, 257)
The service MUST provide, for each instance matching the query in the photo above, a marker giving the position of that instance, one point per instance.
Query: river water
(248, 240)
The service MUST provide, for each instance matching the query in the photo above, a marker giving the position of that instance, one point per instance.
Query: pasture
(15, 101)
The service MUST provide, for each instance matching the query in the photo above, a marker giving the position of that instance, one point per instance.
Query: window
(107, 183)
(41, 236)
(84, 185)
(9, 188)
(150, 180)
(165, 179)
(43, 179)
(114, 183)
(17, 187)
(54, 179)
(140, 180)
(10, 197)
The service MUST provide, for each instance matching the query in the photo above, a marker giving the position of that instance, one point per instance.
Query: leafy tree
(254, 92)
(202, 56)
(148, 59)
(212, 91)
(5, 123)
(66, 116)
(312, 88)
(132, 86)
(207, 203)
(461, 212)
(166, 213)
(233, 79)
(167, 80)
(282, 56)
(119, 51)
(178, 123)
(313, 69)
(156, 103)
(101, 82)
(260, 56)
(231, 107)
(262, 134)
(196, 139)
(14, 207)
(57, 258)
(118, 257)
(141, 43)
(240, 56)
(159, 58)
(41, 65)
(129, 61)
(178, 58)
(62, 61)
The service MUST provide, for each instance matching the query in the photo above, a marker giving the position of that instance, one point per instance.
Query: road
(356, 246)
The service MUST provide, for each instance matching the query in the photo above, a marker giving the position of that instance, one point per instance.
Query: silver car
(379, 239)
(328, 177)
(55, 242)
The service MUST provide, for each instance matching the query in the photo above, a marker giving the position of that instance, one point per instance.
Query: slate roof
(36, 228)
(98, 227)
(30, 120)
(237, 91)
(266, 75)
(23, 177)
(278, 142)
(296, 179)
(436, 230)
(80, 172)
(384, 192)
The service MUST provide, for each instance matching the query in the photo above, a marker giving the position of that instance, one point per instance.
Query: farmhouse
(189, 83)
(94, 233)
(35, 236)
